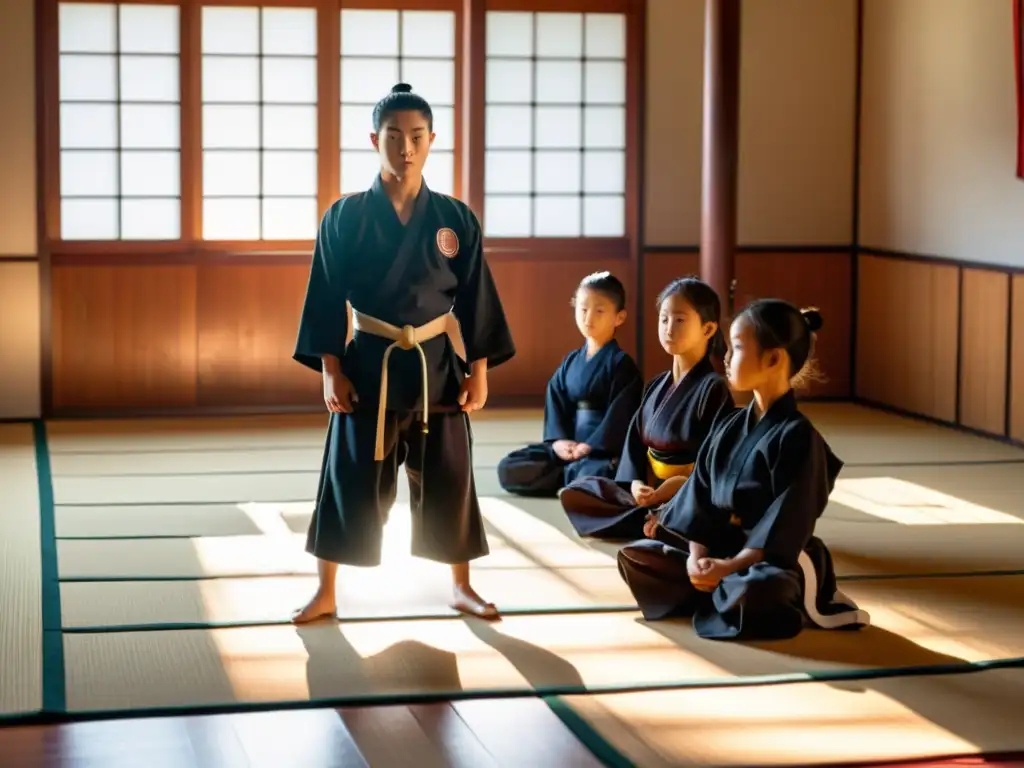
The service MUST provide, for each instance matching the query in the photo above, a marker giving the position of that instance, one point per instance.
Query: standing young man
(410, 261)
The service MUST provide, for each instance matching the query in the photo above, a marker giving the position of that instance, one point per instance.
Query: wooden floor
(468, 734)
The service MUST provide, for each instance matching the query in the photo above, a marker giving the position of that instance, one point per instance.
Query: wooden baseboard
(936, 421)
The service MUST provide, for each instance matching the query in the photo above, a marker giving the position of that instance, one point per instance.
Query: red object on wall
(1018, 49)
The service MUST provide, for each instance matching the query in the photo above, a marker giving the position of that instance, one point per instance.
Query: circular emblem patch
(447, 242)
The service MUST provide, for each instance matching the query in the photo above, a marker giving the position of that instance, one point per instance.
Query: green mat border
(849, 578)
(93, 629)
(54, 693)
(437, 616)
(747, 681)
(587, 734)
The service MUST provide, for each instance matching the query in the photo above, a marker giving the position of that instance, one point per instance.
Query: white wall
(797, 108)
(938, 135)
(19, 280)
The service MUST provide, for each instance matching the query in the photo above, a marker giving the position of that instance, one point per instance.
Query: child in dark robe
(589, 403)
(410, 262)
(676, 414)
(736, 548)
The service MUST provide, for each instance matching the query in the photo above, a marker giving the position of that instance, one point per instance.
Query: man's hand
(339, 394)
(473, 393)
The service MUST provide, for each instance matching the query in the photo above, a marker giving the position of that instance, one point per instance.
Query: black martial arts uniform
(588, 401)
(757, 484)
(666, 432)
(400, 275)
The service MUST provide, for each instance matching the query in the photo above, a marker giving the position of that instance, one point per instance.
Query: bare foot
(466, 600)
(321, 606)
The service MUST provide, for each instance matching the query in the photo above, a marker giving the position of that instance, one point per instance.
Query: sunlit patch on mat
(908, 503)
(362, 593)
(914, 626)
(884, 548)
(21, 623)
(517, 539)
(813, 723)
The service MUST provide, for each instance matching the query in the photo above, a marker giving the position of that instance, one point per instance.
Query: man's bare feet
(321, 606)
(466, 600)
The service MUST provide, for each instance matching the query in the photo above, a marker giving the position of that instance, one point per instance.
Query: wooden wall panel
(536, 297)
(805, 279)
(983, 360)
(20, 340)
(153, 337)
(1016, 394)
(248, 317)
(907, 335)
(124, 337)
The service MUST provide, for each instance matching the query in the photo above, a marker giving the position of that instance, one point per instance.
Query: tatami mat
(157, 520)
(518, 540)
(368, 659)
(189, 462)
(863, 435)
(813, 723)
(362, 593)
(105, 490)
(243, 433)
(859, 435)
(181, 555)
(889, 525)
(21, 619)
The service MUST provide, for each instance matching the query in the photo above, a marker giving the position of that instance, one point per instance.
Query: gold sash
(406, 338)
(664, 471)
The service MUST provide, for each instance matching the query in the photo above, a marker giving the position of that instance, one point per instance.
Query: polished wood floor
(513, 733)
(468, 734)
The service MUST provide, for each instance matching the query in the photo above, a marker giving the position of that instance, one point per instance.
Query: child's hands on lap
(564, 449)
(651, 525)
(641, 492)
(580, 450)
(706, 572)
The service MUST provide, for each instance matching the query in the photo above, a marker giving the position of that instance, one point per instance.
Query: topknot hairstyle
(401, 99)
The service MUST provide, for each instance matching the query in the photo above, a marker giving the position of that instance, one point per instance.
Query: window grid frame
(455, 59)
(582, 105)
(118, 197)
(260, 56)
(470, 96)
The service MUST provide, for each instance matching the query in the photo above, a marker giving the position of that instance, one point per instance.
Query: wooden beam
(721, 147)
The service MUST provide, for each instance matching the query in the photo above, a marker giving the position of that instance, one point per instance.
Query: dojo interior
(159, 448)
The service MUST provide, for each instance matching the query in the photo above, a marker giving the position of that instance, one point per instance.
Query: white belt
(406, 338)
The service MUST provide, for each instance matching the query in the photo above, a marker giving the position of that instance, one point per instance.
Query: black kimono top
(758, 484)
(404, 275)
(674, 420)
(592, 401)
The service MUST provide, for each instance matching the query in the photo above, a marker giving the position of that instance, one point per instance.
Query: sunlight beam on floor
(911, 504)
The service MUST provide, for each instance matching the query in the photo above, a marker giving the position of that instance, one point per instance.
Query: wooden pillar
(721, 147)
